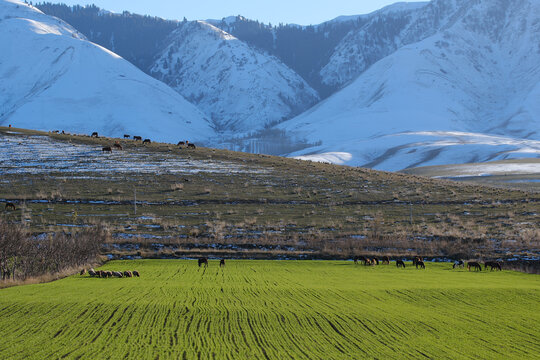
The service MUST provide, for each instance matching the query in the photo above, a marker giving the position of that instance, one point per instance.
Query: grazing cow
(106, 149)
(458, 263)
(386, 260)
(92, 272)
(128, 274)
(136, 273)
(147, 141)
(10, 206)
(117, 274)
(181, 143)
(109, 274)
(94, 134)
(126, 136)
(420, 264)
(118, 146)
(493, 265)
(222, 263)
(400, 263)
(83, 272)
(102, 274)
(374, 261)
(203, 261)
(475, 265)
(55, 131)
(137, 138)
(191, 146)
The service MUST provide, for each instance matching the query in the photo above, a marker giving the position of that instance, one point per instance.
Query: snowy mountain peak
(240, 88)
(52, 78)
(454, 81)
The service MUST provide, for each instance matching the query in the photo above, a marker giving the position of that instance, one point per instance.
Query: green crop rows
(274, 310)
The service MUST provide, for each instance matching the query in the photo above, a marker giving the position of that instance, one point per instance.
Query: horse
(203, 261)
(117, 274)
(128, 274)
(109, 274)
(475, 265)
(416, 259)
(56, 131)
(136, 273)
(126, 136)
(222, 263)
(10, 206)
(421, 264)
(367, 261)
(94, 134)
(374, 261)
(147, 141)
(191, 146)
(386, 260)
(83, 272)
(137, 138)
(459, 263)
(92, 272)
(492, 265)
(400, 263)
(181, 143)
(118, 146)
(106, 149)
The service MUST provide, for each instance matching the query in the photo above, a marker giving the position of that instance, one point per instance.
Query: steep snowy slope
(384, 32)
(52, 78)
(469, 93)
(239, 88)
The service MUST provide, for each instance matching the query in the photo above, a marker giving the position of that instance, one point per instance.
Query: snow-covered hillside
(239, 88)
(468, 93)
(51, 77)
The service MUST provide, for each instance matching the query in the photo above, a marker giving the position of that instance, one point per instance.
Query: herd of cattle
(110, 274)
(118, 146)
(418, 261)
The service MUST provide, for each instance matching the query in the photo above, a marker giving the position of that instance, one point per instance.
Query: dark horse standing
(475, 265)
(400, 263)
(222, 263)
(203, 261)
(493, 265)
(420, 264)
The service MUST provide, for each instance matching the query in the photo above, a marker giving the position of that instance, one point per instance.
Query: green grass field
(274, 310)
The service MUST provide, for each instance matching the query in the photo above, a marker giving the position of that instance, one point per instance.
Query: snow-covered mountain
(469, 92)
(51, 77)
(240, 89)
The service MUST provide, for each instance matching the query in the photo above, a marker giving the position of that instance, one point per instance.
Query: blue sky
(303, 12)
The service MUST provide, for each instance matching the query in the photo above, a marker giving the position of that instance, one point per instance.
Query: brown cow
(137, 138)
(83, 272)
(386, 260)
(191, 146)
(493, 265)
(147, 141)
(118, 146)
(126, 136)
(106, 149)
